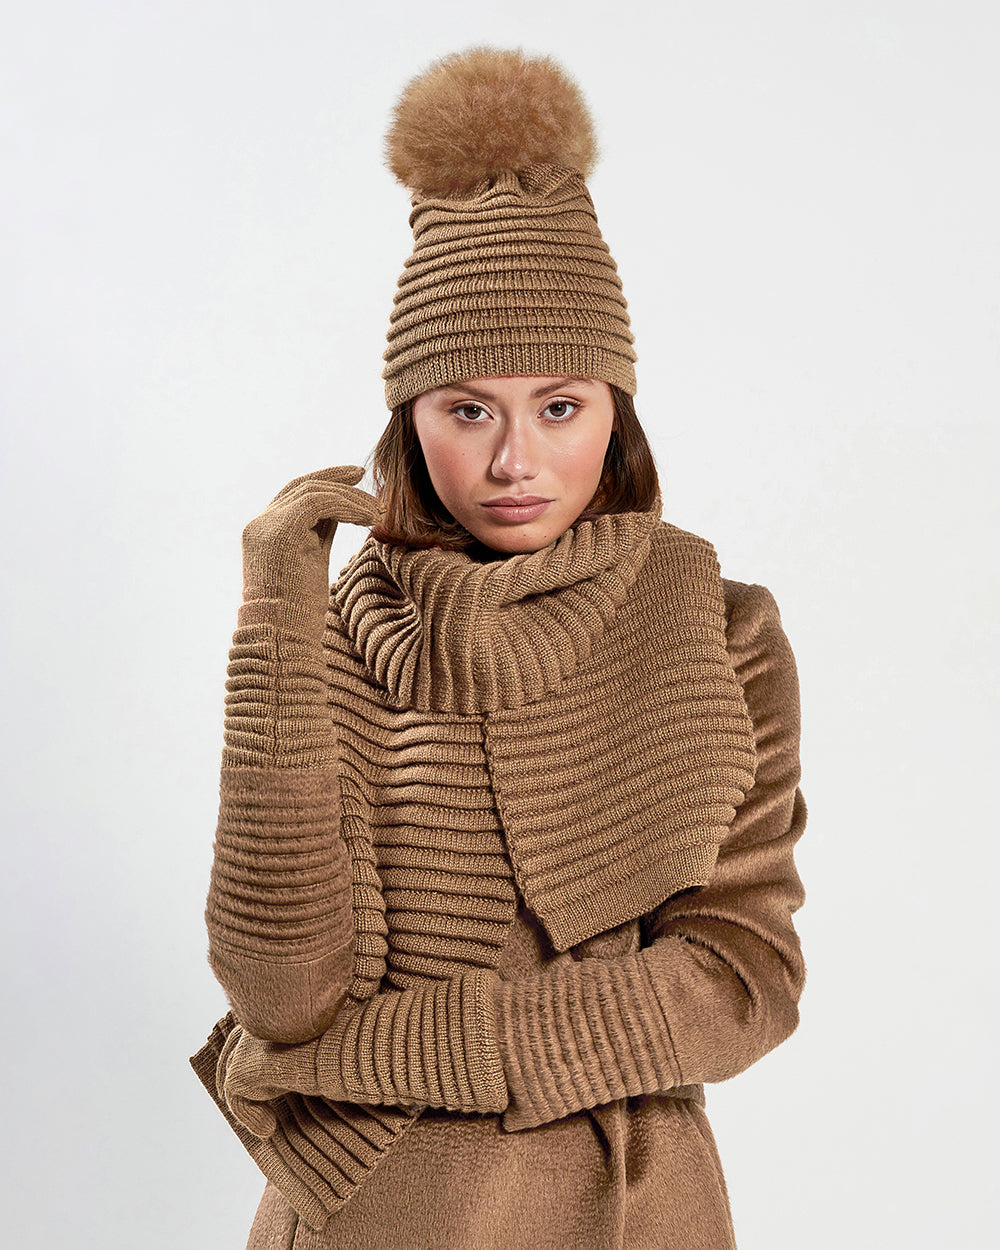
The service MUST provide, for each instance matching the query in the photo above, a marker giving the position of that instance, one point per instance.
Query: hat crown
(509, 274)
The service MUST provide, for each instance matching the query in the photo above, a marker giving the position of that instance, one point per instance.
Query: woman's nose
(516, 457)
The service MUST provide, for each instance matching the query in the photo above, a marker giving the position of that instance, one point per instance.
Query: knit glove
(279, 914)
(251, 1073)
(435, 1045)
(276, 711)
(286, 550)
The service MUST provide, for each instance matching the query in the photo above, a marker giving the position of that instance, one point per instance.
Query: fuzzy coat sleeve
(279, 912)
(718, 980)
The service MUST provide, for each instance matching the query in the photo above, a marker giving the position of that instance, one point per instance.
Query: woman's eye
(559, 409)
(469, 412)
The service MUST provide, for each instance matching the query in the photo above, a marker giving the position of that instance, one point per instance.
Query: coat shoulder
(749, 603)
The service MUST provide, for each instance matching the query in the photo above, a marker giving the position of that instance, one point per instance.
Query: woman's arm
(715, 989)
(279, 911)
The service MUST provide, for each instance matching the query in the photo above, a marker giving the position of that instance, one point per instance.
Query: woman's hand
(434, 1045)
(251, 1072)
(286, 550)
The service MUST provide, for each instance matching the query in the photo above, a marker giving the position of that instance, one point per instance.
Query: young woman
(503, 870)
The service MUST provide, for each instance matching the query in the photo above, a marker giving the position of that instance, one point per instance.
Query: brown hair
(414, 516)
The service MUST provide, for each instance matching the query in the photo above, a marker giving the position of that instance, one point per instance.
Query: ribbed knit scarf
(616, 735)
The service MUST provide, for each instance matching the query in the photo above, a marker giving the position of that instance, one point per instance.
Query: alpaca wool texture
(484, 112)
(477, 955)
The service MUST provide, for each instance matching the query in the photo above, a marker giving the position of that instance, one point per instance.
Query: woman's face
(515, 460)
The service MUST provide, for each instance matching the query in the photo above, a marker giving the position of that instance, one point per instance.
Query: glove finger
(258, 1117)
(223, 1061)
(334, 494)
(345, 474)
(310, 508)
(334, 497)
(356, 507)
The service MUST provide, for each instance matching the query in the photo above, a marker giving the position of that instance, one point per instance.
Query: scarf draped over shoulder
(616, 734)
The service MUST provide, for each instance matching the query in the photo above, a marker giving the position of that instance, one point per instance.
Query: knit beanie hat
(509, 275)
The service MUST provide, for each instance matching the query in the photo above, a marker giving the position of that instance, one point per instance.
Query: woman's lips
(509, 510)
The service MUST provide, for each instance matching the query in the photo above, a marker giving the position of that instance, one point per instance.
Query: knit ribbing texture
(464, 698)
(433, 884)
(442, 632)
(434, 1045)
(278, 876)
(600, 827)
(275, 696)
(322, 1151)
(276, 914)
(512, 281)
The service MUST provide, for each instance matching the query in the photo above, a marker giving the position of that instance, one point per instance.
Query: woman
(504, 867)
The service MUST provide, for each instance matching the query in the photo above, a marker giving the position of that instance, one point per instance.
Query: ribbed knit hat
(509, 274)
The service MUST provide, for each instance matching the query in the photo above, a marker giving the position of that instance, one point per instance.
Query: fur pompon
(484, 112)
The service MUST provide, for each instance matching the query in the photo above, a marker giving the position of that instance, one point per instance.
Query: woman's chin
(514, 540)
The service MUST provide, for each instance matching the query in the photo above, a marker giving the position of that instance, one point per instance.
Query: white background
(199, 249)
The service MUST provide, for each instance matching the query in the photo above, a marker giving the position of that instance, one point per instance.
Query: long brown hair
(414, 516)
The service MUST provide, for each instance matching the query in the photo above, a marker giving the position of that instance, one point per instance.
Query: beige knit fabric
(431, 858)
(513, 280)
(536, 642)
(446, 633)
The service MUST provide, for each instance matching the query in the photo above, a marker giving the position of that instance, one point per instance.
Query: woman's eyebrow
(459, 388)
(558, 385)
